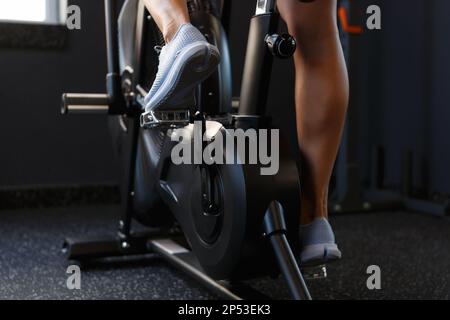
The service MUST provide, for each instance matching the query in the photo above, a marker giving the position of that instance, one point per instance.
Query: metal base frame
(171, 245)
(172, 250)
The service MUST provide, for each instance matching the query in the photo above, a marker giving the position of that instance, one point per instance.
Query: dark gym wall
(38, 145)
(402, 95)
(440, 98)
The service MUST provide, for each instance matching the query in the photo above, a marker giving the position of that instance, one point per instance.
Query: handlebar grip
(73, 103)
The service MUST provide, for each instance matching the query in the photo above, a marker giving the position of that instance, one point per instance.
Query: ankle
(311, 213)
(305, 220)
(171, 28)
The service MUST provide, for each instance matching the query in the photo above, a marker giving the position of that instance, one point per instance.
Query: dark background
(402, 91)
(401, 82)
(38, 145)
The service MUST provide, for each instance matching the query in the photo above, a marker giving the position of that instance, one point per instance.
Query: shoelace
(158, 49)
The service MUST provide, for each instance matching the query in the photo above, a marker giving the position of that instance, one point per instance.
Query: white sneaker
(184, 62)
(318, 243)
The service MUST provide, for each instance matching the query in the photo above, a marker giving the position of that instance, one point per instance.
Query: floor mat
(412, 251)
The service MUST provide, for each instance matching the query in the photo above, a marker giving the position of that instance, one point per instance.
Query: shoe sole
(318, 254)
(193, 65)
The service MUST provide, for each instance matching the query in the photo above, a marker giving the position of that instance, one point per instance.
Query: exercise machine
(221, 224)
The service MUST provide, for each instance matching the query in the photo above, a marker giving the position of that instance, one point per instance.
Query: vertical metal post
(275, 229)
(111, 36)
(113, 82)
(258, 60)
(129, 171)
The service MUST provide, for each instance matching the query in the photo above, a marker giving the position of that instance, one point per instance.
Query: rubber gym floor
(406, 246)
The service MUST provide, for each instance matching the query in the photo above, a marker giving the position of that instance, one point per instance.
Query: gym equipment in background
(349, 194)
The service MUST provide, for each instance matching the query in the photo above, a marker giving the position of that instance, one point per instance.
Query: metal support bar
(275, 229)
(289, 267)
(108, 246)
(186, 261)
(84, 103)
(113, 101)
(112, 47)
(88, 249)
(258, 65)
(128, 178)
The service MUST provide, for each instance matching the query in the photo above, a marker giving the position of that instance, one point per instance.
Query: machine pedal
(171, 118)
(314, 272)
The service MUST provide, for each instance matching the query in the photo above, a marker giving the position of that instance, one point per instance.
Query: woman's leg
(321, 92)
(169, 15)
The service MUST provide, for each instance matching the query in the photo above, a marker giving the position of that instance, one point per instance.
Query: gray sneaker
(318, 243)
(184, 62)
